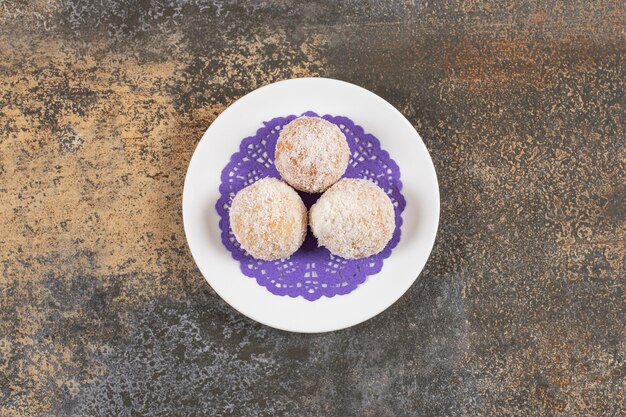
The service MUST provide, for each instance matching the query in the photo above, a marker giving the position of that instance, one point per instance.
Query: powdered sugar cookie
(311, 154)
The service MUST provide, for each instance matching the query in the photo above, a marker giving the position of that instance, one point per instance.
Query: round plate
(323, 96)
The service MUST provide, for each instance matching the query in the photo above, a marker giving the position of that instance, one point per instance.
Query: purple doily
(312, 271)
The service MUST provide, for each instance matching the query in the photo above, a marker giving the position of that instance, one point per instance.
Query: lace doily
(311, 272)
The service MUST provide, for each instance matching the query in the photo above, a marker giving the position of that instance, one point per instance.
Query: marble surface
(520, 310)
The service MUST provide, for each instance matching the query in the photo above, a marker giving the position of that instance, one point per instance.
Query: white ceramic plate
(323, 96)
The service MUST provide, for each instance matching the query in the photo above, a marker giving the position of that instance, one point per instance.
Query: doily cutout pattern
(311, 272)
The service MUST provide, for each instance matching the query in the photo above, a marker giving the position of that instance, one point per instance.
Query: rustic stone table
(520, 310)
